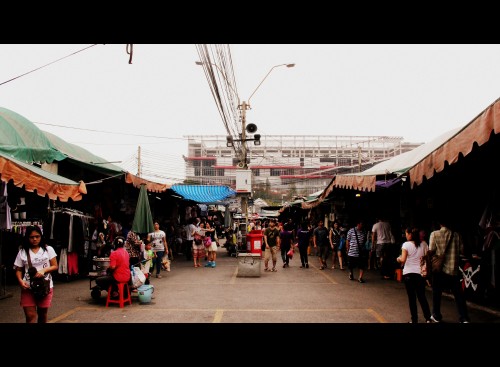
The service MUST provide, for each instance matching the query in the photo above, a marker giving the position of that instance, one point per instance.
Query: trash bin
(249, 265)
(254, 242)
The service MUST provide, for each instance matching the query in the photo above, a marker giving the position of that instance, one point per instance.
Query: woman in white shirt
(411, 252)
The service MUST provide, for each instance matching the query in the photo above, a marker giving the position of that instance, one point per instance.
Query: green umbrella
(143, 219)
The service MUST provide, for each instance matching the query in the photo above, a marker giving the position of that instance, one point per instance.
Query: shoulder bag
(39, 286)
(363, 252)
(436, 260)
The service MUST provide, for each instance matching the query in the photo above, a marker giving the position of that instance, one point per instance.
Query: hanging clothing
(5, 217)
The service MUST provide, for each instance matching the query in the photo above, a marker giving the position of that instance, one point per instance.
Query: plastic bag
(138, 277)
(290, 253)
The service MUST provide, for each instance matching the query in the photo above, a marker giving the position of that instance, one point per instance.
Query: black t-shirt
(321, 234)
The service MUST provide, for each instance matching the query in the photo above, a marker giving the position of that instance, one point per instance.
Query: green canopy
(21, 139)
(82, 156)
(143, 219)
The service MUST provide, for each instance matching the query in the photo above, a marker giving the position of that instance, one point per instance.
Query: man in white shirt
(383, 243)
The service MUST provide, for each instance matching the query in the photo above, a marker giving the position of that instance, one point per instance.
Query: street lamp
(269, 72)
(245, 105)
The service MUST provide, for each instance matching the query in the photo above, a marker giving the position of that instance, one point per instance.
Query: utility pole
(243, 158)
(243, 107)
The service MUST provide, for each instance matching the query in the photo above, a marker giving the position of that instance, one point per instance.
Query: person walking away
(411, 252)
(321, 242)
(118, 270)
(382, 238)
(44, 259)
(355, 242)
(272, 243)
(447, 242)
(286, 237)
(303, 237)
(158, 238)
(334, 237)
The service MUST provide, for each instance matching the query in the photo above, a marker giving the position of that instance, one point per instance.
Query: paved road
(219, 295)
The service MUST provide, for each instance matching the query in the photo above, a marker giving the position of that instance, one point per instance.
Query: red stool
(122, 298)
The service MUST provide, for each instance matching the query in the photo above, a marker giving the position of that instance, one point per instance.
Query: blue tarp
(208, 194)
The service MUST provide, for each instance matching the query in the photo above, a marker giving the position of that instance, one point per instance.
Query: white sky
(414, 91)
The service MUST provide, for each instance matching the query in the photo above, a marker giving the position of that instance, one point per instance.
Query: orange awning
(45, 183)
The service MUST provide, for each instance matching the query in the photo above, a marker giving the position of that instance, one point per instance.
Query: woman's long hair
(415, 235)
(26, 240)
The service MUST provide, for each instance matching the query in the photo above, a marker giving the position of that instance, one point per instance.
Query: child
(148, 256)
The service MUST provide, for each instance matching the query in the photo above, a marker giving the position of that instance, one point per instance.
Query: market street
(218, 295)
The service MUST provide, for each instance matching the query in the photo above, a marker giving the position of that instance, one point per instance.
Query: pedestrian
(286, 238)
(411, 252)
(148, 257)
(334, 237)
(210, 245)
(383, 240)
(450, 243)
(44, 259)
(134, 247)
(272, 243)
(321, 242)
(303, 237)
(198, 247)
(158, 238)
(355, 243)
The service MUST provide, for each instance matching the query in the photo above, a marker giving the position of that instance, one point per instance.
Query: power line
(50, 63)
(109, 132)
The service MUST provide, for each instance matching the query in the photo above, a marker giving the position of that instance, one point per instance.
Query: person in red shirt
(119, 268)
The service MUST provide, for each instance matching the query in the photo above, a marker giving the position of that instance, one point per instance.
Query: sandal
(267, 269)
(274, 270)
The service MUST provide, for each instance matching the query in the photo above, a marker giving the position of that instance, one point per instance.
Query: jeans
(157, 261)
(442, 281)
(415, 289)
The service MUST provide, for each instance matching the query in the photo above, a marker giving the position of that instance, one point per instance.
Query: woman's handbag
(39, 286)
(425, 265)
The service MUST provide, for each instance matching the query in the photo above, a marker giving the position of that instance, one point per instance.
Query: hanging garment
(5, 217)
(72, 263)
(63, 262)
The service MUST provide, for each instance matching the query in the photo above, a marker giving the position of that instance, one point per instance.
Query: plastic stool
(122, 298)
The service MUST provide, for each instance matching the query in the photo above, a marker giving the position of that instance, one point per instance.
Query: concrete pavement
(218, 295)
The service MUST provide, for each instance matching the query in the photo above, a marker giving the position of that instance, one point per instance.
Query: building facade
(302, 163)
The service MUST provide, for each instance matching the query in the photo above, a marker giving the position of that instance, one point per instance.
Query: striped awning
(207, 194)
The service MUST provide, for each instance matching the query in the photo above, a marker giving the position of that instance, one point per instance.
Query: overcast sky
(414, 91)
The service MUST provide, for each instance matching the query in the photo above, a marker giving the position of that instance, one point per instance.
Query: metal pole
(244, 198)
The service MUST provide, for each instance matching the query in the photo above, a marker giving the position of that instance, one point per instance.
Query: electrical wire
(50, 63)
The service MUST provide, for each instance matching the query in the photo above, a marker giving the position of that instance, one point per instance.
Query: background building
(288, 164)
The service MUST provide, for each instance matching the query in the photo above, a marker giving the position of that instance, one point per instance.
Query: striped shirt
(355, 239)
